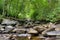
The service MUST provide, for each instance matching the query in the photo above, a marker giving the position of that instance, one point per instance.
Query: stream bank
(28, 29)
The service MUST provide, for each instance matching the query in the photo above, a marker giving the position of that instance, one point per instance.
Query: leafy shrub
(33, 9)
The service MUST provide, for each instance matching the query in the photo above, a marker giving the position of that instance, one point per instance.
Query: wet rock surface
(8, 22)
(26, 30)
(4, 36)
(30, 30)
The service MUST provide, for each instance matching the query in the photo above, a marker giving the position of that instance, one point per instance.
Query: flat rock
(23, 35)
(4, 36)
(32, 31)
(39, 28)
(53, 33)
(8, 22)
(22, 30)
(8, 28)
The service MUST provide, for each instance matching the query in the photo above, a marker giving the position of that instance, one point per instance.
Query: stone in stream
(28, 25)
(23, 36)
(21, 30)
(8, 22)
(57, 28)
(4, 36)
(37, 22)
(8, 29)
(1, 28)
(31, 30)
(39, 28)
(51, 27)
(53, 33)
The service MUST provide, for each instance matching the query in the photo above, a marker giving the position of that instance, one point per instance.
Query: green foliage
(1, 6)
(33, 9)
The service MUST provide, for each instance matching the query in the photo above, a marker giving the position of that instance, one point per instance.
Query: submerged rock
(51, 25)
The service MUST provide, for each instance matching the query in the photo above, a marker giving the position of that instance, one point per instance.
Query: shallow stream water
(6, 37)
